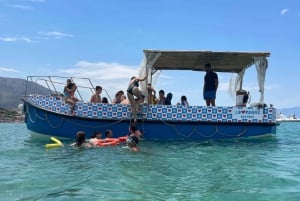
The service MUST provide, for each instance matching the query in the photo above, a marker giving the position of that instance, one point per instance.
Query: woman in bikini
(134, 91)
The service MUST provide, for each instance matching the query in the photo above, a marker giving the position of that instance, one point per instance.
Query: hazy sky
(104, 40)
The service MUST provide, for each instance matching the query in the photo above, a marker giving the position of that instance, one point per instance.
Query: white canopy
(232, 62)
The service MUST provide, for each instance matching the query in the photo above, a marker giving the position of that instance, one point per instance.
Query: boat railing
(54, 85)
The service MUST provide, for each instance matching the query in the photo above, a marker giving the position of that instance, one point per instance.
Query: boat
(280, 117)
(50, 115)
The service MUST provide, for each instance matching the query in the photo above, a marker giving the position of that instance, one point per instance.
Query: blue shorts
(209, 95)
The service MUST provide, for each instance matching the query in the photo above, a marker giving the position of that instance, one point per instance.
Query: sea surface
(266, 168)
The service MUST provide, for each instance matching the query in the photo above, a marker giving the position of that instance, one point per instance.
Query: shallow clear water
(265, 168)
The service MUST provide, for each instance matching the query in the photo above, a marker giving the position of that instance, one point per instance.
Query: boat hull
(52, 123)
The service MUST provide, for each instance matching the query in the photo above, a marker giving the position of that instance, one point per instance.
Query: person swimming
(80, 140)
(133, 138)
(132, 142)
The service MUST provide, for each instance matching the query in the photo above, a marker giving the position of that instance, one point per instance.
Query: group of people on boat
(96, 140)
(134, 94)
(136, 98)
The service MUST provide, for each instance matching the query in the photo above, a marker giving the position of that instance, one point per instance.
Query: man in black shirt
(210, 85)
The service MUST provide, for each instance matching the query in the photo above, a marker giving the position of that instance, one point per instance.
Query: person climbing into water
(134, 91)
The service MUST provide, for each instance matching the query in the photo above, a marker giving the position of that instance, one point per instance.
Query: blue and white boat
(50, 114)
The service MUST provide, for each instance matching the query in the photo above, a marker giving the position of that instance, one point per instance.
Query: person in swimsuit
(124, 100)
(133, 138)
(95, 137)
(118, 97)
(134, 91)
(66, 91)
(69, 93)
(108, 134)
(80, 140)
(96, 98)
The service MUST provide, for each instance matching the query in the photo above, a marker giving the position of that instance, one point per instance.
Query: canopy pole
(146, 69)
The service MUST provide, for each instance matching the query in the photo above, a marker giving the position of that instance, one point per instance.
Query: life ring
(122, 139)
(57, 143)
(109, 139)
(105, 144)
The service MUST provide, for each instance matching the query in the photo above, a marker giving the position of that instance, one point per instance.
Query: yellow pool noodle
(52, 145)
(56, 144)
(57, 141)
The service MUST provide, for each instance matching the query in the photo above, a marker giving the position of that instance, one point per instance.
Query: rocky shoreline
(11, 116)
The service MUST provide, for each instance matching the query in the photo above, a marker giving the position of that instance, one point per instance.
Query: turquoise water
(258, 169)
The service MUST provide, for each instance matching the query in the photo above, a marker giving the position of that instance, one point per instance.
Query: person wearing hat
(210, 87)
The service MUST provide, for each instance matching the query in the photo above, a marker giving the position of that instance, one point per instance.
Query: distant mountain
(290, 111)
(12, 89)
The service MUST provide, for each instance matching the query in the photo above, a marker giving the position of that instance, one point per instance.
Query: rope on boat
(177, 131)
(28, 112)
(236, 135)
(207, 136)
(60, 123)
(38, 116)
(195, 130)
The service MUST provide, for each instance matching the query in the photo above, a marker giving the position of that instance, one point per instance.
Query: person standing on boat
(210, 87)
(96, 98)
(134, 91)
